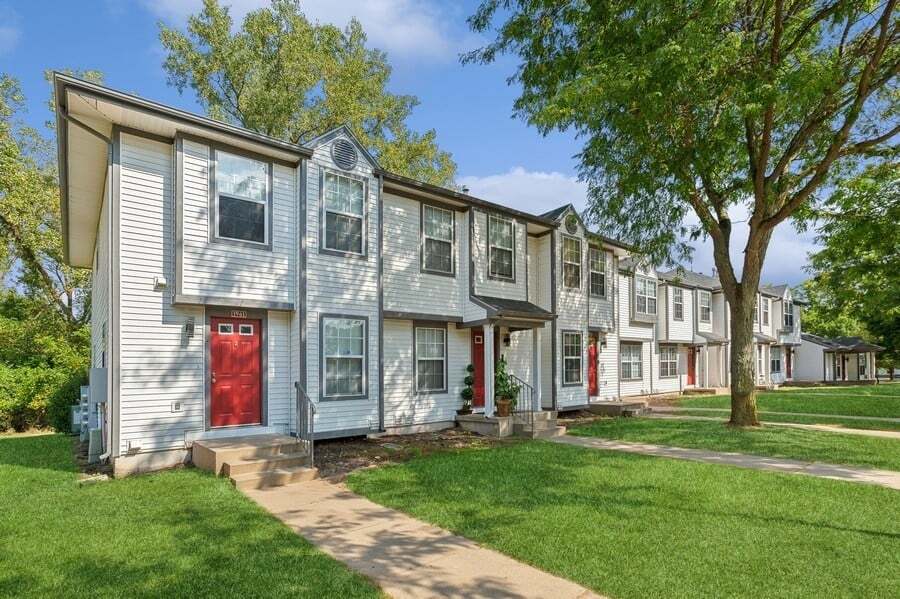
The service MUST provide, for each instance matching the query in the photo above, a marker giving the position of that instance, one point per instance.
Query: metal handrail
(524, 401)
(306, 421)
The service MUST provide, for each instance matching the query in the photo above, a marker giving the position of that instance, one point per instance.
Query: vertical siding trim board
(365, 369)
(113, 337)
(380, 201)
(179, 214)
(453, 241)
(365, 216)
(302, 300)
(415, 363)
(214, 198)
(471, 253)
(526, 264)
(263, 317)
(553, 328)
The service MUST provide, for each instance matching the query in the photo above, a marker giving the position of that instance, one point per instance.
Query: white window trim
(671, 363)
(267, 202)
(677, 301)
(579, 358)
(765, 312)
(225, 328)
(451, 241)
(631, 361)
(708, 307)
(647, 297)
(576, 264)
(602, 262)
(491, 245)
(241, 330)
(323, 358)
(443, 361)
(323, 214)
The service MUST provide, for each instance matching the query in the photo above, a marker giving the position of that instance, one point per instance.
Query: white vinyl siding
(235, 271)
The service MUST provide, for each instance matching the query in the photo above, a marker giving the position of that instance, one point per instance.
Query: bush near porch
(180, 533)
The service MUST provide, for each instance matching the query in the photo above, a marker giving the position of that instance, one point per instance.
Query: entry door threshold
(233, 431)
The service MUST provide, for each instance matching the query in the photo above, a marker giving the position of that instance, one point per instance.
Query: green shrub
(37, 397)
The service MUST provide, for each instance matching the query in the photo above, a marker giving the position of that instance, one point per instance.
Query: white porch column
(489, 370)
(706, 366)
(536, 367)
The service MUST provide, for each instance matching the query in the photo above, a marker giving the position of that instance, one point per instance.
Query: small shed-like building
(836, 359)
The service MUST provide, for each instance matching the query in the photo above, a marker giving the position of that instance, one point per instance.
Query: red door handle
(214, 377)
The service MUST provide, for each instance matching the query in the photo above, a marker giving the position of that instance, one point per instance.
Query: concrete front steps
(543, 426)
(255, 462)
(619, 408)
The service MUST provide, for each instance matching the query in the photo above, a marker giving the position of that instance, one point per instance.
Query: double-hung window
(789, 315)
(437, 239)
(571, 358)
(862, 361)
(241, 198)
(431, 359)
(705, 309)
(668, 360)
(344, 345)
(571, 262)
(501, 239)
(597, 265)
(344, 205)
(630, 361)
(756, 310)
(765, 312)
(677, 303)
(644, 295)
(775, 360)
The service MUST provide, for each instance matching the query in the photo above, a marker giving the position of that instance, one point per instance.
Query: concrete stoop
(619, 408)
(255, 462)
(542, 425)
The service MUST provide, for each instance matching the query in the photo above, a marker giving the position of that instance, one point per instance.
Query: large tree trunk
(743, 381)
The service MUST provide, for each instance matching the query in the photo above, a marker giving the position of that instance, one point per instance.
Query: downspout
(616, 323)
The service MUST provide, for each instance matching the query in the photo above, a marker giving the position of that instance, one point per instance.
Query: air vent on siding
(344, 154)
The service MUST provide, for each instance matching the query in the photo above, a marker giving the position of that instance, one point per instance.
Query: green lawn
(180, 533)
(880, 401)
(636, 526)
(778, 441)
(884, 425)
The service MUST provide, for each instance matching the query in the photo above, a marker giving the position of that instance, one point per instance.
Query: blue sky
(500, 158)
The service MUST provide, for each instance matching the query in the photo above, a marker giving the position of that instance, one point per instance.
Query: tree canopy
(704, 106)
(282, 75)
(856, 274)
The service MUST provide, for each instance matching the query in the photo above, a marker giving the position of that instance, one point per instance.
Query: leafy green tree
(282, 75)
(703, 106)
(857, 271)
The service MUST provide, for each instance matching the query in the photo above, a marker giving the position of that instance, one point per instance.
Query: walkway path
(863, 432)
(405, 556)
(675, 410)
(884, 478)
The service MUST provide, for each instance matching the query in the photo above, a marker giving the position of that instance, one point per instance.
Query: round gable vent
(344, 154)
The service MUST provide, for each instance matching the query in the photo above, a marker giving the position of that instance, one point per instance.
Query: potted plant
(506, 391)
(467, 392)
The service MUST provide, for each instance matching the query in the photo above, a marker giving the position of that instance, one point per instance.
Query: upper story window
(437, 239)
(571, 262)
(344, 357)
(765, 312)
(644, 295)
(241, 198)
(431, 359)
(756, 310)
(344, 206)
(678, 303)
(788, 315)
(597, 265)
(705, 309)
(501, 240)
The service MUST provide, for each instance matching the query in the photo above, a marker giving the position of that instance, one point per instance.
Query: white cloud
(537, 192)
(10, 32)
(413, 30)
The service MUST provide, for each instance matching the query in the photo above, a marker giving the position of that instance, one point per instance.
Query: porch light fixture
(506, 340)
(189, 328)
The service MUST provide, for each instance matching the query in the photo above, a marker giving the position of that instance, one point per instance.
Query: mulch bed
(335, 458)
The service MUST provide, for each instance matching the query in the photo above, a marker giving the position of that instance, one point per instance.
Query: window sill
(256, 245)
(432, 392)
(342, 254)
(344, 397)
(437, 273)
(578, 384)
(501, 279)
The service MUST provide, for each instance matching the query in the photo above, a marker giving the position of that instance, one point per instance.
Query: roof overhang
(87, 115)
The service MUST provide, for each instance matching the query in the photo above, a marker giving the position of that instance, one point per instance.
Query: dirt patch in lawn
(578, 418)
(335, 458)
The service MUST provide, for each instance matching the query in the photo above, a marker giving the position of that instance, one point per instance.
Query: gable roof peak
(343, 129)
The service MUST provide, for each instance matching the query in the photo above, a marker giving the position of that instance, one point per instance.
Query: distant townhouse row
(232, 270)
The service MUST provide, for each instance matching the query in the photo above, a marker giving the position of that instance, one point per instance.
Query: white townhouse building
(238, 278)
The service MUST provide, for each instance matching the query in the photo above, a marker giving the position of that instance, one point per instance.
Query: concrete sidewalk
(675, 410)
(883, 478)
(828, 428)
(405, 556)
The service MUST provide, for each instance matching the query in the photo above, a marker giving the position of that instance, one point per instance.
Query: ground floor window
(775, 360)
(431, 359)
(862, 362)
(668, 360)
(571, 358)
(630, 361)
(344, 356)
(759, 361)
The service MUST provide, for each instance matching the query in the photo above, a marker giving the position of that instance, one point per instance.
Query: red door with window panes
(478, 364)
(691, 367)
(235, 371)
(592, 366)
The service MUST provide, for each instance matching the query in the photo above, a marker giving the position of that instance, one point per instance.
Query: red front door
(691, 367)
(235, 373)
(478, 364)
(592, 367)
(787, 362)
